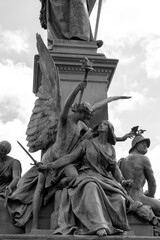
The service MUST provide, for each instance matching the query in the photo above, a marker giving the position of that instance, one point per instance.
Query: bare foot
(102, 232)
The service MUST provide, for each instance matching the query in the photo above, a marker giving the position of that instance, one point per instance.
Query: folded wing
(42, 126)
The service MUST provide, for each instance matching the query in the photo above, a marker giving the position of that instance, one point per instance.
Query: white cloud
(138, 99)
(16, 90)
(113, 118)
(16, 94)
(124, 23)
(15, 131)
(16, 80)
(128, 59)
(124, 17)
(16, 41)
(152, 57)
(154, 156)
(128, 84)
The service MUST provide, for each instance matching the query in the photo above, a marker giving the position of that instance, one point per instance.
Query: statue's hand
(128, 135)
(82, 85)
(146, 193)
(127, 183)
(8, 190)
(41, 167)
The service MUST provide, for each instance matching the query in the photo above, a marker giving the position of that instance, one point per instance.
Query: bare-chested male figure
(138, 167)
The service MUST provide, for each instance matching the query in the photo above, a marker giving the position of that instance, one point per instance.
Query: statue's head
(110, 132)
(85, 108)
(138, 139)
(5, 147)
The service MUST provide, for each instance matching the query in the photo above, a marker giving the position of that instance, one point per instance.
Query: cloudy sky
(130, 32)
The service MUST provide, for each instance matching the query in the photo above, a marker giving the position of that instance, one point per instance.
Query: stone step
(71, 237)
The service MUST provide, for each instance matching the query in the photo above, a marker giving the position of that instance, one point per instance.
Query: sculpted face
(84, 116)
(2, 152)
(103, 127)
(142, 147)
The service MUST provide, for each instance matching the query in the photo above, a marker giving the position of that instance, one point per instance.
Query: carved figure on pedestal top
(67, 19)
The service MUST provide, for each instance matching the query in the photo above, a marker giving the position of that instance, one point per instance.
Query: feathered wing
(98, 105)
(41, 129)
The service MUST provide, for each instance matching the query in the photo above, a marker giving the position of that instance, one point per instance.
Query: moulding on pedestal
(68, 56)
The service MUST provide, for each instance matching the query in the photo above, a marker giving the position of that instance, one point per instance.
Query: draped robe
(67, 19)
(94, 200)
(6, 173)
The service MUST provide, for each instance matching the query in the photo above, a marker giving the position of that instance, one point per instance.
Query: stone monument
(70, 41)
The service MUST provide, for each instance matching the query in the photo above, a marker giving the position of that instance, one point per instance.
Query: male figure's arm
(116, 172)
(124, 138)
(16, 174)
(149, 175)
(127, 184)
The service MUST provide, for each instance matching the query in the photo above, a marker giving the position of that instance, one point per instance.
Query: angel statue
(54, 131)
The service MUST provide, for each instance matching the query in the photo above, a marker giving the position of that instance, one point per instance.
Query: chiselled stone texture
(51, 237)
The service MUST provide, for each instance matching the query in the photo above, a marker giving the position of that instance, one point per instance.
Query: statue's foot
(102, 232)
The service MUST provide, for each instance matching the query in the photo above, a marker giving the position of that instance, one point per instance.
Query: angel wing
(98, 105)
(41, 129)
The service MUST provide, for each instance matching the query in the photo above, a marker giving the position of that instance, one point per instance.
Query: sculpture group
(78, 169)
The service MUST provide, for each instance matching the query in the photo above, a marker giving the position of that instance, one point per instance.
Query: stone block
(139, 226)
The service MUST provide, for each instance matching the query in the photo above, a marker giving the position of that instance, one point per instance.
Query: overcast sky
(130, 32)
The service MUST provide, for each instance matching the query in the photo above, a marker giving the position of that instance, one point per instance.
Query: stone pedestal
(140, 229)
(43, 236)
(139, 226)
(68, 56)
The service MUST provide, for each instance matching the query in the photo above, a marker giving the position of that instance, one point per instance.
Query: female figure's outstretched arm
(63, 161)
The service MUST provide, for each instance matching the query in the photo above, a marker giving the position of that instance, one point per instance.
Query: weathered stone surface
(6, 227)
(139, 226)
(51, 237)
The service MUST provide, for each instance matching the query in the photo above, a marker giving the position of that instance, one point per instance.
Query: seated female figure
(94, 202)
